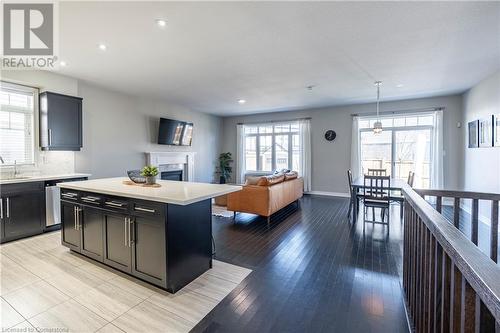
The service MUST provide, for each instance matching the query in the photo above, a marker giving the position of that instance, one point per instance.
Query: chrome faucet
(15, 169)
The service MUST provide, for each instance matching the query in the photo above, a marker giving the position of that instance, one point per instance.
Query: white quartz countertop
(173, 192)
(41, 178)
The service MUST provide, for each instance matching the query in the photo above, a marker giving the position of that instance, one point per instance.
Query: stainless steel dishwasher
(52, 203)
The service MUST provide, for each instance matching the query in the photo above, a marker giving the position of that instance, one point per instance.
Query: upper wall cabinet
(60, 122)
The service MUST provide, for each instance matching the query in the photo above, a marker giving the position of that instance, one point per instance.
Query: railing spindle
(486, 321)
(494, 231)
(456, 213)
(432, 282)
(468, 311)
(426, 279)
(439, 203)
(475, 221)
(446, 302)
(438, 287)
(456, 299)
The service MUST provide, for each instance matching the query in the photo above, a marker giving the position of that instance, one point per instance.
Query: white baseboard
(330, 194)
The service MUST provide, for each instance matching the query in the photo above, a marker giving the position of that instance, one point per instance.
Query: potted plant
(224, 169)
(150, 172)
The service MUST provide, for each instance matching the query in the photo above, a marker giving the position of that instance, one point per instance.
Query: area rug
(46, 287)
(221, 211)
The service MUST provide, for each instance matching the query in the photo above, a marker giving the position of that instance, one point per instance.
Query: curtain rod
(274, 121)
(440, 108)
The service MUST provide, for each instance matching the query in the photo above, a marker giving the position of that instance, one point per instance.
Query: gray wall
(118, 129)
(482, 165)
(330, 161)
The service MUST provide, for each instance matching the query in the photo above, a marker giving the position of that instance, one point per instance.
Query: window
(17, 108)
(272, 146)
(404, 145)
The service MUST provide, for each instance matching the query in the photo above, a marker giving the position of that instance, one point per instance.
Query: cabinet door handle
(71, 196)
(78, 225)
(91, 199)
(50, 137)
(74, 217)
(114, 204)
(140, 209)
(1, 208)
(125, 227)
(130, 227)
(8, 208)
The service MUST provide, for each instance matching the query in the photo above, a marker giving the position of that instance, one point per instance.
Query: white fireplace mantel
(186, 159)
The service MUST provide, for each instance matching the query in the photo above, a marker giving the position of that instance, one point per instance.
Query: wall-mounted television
(175, 133)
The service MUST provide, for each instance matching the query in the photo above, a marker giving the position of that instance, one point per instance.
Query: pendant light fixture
(377, 127)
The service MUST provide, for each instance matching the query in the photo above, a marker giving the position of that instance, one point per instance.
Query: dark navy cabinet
(60, 122)
(164, 244)
(22, 210)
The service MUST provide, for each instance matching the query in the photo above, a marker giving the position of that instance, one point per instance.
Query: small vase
(151, 180)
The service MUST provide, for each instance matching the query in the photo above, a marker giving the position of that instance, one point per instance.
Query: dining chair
(377, 172)
(411, 177)
(397, 196)
(376, 195)
(355, 196)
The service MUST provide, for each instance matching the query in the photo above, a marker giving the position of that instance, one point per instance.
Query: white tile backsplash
(47, 163)
(56, 162)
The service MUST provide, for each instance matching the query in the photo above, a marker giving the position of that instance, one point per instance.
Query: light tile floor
(45, 286)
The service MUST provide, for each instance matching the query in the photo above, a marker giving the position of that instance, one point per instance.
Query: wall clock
(330, 135)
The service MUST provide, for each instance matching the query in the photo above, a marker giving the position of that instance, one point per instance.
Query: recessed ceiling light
(400, 85)
(161, 23)
(63, 63)
(102, 47)
(242, 101)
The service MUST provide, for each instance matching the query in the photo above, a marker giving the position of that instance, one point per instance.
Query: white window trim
(35, 140)
(273, 136)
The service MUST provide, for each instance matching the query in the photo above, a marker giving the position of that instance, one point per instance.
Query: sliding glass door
(404, 145)
(376, 151)
(412, 152)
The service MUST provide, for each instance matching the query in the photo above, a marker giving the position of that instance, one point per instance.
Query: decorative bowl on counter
(135, 176)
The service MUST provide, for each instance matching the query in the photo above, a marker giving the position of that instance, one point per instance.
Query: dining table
(396, 185)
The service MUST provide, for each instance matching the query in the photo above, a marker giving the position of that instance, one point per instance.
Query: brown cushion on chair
(271, 179)
(291, 175)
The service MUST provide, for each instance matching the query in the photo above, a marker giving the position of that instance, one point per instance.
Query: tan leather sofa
(266, 195)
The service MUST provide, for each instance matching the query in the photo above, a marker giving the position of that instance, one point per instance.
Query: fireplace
(171, 175)
(174, 165)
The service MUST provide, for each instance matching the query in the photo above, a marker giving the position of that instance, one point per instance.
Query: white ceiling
(213, 53)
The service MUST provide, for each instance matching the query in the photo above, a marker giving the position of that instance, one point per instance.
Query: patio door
(412, 152)
(399, 151)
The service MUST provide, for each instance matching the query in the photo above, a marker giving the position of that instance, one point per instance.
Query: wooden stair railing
(457, 196)
(450, 285)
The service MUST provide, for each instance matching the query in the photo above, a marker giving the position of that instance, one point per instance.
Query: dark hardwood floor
(313, 271)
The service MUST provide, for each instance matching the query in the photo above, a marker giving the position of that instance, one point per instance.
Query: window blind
(17, 109)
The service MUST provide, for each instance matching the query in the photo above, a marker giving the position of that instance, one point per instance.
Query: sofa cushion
(291, 175)
(271, 179)
(252, 180)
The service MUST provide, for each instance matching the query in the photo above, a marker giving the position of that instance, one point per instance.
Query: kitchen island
(162, 235)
